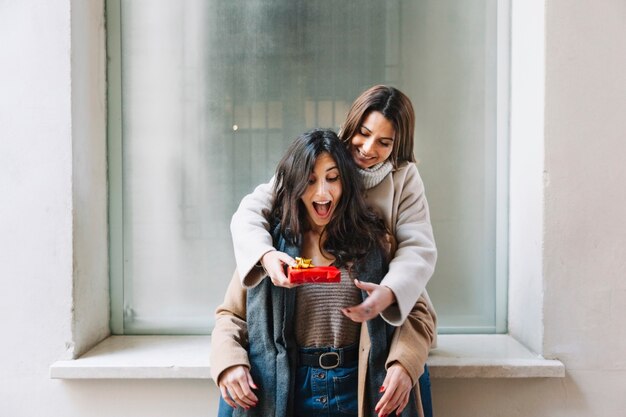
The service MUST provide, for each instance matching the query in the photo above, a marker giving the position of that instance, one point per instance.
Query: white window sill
(488, 356)
(187, 357)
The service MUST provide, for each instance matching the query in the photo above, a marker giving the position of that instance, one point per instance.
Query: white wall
(51, 193)
(583, 241)
(526, 216)
(584, 246)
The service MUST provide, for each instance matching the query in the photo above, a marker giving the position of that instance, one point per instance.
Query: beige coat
(410, 344)
(399, 200)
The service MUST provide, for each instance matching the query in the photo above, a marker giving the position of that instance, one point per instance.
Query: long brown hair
(396, 107)
(354, 229)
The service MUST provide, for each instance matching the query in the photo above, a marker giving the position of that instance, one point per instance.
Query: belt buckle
(326, 354)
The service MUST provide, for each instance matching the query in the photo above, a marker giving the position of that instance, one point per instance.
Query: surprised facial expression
(323, 192)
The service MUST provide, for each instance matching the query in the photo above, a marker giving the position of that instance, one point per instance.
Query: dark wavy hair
(396, 107)
(354, 229)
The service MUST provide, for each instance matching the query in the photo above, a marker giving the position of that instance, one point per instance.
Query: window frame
(503, 109)
(115, 166)
(116, 169)
(527, 125)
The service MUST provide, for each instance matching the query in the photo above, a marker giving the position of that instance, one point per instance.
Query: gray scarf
(374, 175)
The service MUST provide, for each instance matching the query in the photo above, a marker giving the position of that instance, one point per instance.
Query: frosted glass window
(206, 94)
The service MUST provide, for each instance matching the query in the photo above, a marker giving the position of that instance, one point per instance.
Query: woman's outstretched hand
(273, 262)
(379, 298)
(236, 386)
(396, 389)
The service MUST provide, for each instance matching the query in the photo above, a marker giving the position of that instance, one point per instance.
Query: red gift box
(313, 274)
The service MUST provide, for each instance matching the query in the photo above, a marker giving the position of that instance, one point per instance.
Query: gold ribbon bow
(303, 263)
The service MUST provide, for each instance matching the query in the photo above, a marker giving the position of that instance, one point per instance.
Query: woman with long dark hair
(291, 351)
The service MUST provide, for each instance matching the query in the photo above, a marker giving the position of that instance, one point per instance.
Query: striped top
(319, 320)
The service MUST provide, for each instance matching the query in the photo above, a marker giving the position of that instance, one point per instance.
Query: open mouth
(322, 208)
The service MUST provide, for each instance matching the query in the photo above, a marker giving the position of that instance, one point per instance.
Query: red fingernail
(382, 389)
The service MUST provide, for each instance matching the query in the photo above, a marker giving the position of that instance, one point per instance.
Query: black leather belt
(336, 358)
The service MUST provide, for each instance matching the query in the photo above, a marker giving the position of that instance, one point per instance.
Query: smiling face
(323, 191)
(373, 141)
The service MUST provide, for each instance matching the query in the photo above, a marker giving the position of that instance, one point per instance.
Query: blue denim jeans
(427, 400)
(319, 392)
(342, 405)
(224, 410)
(326, 392)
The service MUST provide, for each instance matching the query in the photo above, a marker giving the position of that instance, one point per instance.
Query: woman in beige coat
(378, 132)
(290, 348)
(409, 347)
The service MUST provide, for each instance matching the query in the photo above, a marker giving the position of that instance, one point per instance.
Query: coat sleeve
(229, 338)
(416, 254)
(411, 342)
(249, 229)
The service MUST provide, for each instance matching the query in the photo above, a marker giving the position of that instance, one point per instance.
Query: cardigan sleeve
(416, 254)
(249, 229)
(411, 342)
(229, 338)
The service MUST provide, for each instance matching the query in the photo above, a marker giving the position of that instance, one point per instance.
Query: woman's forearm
(250, 233)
